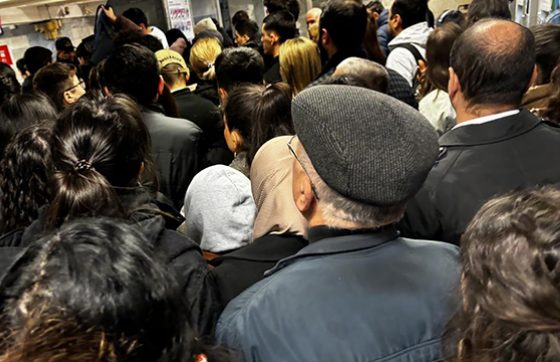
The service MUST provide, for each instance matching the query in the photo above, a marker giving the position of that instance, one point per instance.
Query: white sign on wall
(180, 16)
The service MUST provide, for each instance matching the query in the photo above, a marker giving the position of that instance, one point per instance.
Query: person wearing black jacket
(276, 29)
(101, 157)
(495, 148)
(176, 143)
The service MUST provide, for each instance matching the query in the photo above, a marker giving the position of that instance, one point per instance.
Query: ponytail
(98, 148)
(210, 74)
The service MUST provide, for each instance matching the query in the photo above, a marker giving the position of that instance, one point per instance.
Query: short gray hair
(375, 75)
(337, 208)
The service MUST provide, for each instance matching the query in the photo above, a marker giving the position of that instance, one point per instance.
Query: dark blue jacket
(383, 32)
(360, 297)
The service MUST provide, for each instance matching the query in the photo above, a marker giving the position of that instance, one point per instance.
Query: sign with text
(5, 55)
(180, 16)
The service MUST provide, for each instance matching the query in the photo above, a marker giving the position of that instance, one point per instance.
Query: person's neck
(276, 52)
(175, 87)
(466, 114)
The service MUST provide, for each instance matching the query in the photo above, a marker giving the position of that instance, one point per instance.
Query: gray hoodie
(219, 209)
(402, 60)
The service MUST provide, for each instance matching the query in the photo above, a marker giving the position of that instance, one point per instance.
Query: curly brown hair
(511, 280)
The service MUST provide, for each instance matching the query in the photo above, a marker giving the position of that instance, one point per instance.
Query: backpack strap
(411, 48)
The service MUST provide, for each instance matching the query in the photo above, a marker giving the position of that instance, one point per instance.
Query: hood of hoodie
(383, 18)
(417, 35)
(219, 209)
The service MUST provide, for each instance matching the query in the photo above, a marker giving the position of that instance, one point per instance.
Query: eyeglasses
(81, 83)
(293, 151)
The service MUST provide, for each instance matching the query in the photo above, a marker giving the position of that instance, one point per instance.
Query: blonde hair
(313, 33)
(203, 56)
(299, 63)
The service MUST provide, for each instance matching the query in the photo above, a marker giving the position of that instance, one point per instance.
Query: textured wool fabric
(271, 182)
(365, 145)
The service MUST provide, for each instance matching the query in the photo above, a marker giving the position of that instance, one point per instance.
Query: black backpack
(418, 57)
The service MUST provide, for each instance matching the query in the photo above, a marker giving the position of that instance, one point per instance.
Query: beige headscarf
(271, 182)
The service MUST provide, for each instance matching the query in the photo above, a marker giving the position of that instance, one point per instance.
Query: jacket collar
(491, 132)
(152, 107)
(340, 245)
(338, 57)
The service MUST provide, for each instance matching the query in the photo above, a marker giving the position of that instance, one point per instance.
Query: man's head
(313, 16)
(277, 28)
(59, 82)
(375, 76)
(376, 8)
(238, 17)
(173, 69)
(357, 173)
(36, 58)
(406, 13)
(22, 67)
(138, 17)
(485, 9)
(85, 50)
(492, 66)
(342, 26)
(133, 70)
(547, 41)
(238, 66)
(273, 6)
(245, 31)
(65, 49)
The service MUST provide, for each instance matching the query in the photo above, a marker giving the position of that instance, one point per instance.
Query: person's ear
(397, 21)
(223, 95)
(274, 38)
(161, 85)
(304, 197)
(67, 98)
(453, 87)
(325, 37)
(143, 27)
(245, 38)
(236, 138)
(535, 77)
(187, 77)
(107, 92)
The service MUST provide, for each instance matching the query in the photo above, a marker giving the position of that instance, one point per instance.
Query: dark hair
(22, 111)
(85, 49)
(271, 116)
(438, 52)
(346, 22)
(96, 291)
(237, 66)
(375, 7)
(132, 36)
(137, 16)
(36, 58)
(492, 70)
(547, 42)
(132, 69)
(552, 110)
(412, 12)
(237, 109)
(24, 177)
(94, 83)
(53, 80)
(282, 23)
(346, 79)
(484, 9)
(452, 16)
(98, 147)
(9, 84)
(21, 66)
(291, 6)
(510, 284)
(371, 42)
(238, 17)
(247, 27)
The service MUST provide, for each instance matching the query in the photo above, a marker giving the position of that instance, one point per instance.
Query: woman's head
(511, 279)
(237, 110)
(299, 63)
(203, 56)
(9, 84)
(92, 291)
(22, 111)
(438, 53)
(99, 148)
(271, 182)
(23, 181)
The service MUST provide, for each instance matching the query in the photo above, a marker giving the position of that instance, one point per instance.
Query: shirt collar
(487, 119)
(179, 89)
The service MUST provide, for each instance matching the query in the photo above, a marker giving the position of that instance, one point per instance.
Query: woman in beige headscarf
(280, 229)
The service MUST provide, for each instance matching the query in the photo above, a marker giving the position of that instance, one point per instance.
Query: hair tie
(210, 66)
(82, 165)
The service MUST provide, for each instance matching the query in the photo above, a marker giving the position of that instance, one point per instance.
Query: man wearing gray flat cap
(358, 292)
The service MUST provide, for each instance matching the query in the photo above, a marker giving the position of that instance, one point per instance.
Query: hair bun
(82, 165)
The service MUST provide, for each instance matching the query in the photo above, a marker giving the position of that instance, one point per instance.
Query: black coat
(237, 271)
(176, 149)
(272, 75)
(180, 253)
(476, 163)
(207, 116)
(208, 90)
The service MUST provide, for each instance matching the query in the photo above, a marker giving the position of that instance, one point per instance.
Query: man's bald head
(374, 74)
(494, 61)
(313, 16)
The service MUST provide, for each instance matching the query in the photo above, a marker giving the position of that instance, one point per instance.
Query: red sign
(5, 55)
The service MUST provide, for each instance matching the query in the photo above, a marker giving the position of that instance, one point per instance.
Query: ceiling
(5, 4)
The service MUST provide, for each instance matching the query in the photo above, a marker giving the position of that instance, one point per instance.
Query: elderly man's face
(312, 17)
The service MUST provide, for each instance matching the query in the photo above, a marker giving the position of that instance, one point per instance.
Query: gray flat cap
(365, 145)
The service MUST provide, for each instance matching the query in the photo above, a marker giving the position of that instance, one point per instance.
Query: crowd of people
(381, 189)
